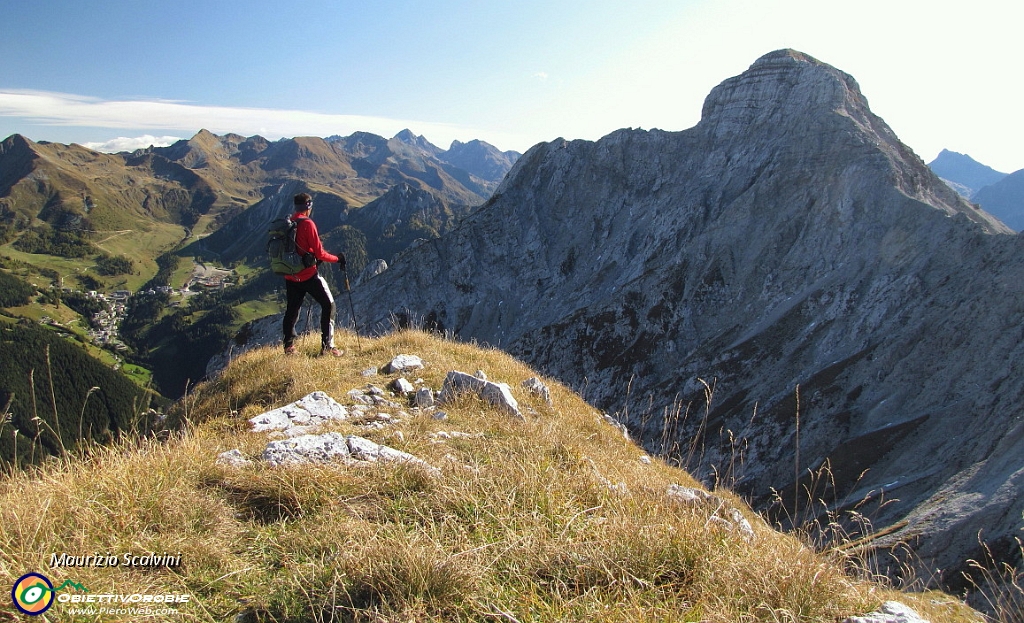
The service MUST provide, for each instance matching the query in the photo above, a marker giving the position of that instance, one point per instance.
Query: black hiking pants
(296, 292)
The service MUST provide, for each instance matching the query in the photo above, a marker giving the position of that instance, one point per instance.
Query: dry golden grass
(553, 519)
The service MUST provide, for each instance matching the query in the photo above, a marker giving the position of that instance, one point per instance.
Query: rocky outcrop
(719, 511)
(890, 612)
(315, 409)
(497, 394)
(297, 426)
(301, 440)
(332, 447)
(403, 363)
(373, 268)
(846, 313)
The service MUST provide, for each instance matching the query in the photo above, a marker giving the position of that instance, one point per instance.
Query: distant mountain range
(91, 221)
(373, 195)
(137, 203)
(999, 194)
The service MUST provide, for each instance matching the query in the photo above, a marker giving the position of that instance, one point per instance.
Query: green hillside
(53, 395)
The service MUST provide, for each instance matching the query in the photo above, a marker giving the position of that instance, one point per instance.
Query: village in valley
(104, 328)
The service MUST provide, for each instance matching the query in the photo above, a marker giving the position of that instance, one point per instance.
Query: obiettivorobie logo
(33, 593)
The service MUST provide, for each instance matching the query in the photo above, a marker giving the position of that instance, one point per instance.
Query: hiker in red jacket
(309, 281)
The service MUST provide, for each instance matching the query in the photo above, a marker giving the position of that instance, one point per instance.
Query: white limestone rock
(313, 409)
(890, 612)
(372, 269)
(536, 386)
(402, 387)
(722, 513)
(330, 447)
(307, 449)
(233, 458)
(497, 394)
(401, 363)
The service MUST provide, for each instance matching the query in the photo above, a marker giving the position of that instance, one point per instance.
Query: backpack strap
(295, 238)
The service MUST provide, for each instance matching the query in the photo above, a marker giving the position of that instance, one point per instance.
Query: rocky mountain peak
(15, 141)
(789, 104)
(17, 154)
(406, 136)
(781, 85)
(481, 159)
(365, 145)
(964, 173)
(787, 243)
(197, 152)
(16, 151)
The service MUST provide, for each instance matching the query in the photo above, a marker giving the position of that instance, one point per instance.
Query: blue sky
(942, 74)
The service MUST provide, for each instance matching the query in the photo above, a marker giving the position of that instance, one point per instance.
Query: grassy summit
(558, 518)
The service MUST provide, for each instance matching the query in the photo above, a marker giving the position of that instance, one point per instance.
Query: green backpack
(285, 258)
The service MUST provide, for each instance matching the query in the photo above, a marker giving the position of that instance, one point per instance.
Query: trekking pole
(309, 315)
(352, 308)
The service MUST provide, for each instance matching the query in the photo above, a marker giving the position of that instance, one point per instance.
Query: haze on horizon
(940, 73)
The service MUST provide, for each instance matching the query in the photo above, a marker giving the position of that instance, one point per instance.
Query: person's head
(303, 202)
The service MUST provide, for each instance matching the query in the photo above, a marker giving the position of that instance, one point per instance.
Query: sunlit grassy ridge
(557, 518)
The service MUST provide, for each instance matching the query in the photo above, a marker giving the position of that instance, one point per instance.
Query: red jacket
(307, 239)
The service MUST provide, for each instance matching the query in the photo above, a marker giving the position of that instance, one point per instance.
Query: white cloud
(62, 109)
(542, 75)
(122, 143)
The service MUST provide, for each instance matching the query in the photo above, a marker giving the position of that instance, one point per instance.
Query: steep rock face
(16, 156)
(787, 252)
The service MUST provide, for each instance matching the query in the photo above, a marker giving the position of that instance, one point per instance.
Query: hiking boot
(289, 350)
(333, 352)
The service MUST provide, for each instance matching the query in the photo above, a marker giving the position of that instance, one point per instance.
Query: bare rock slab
(330, 447)
(311, 410)
(497, 394)
(890, 612)
(401, 363)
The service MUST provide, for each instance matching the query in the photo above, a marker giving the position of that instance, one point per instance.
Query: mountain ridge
(203, 182)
